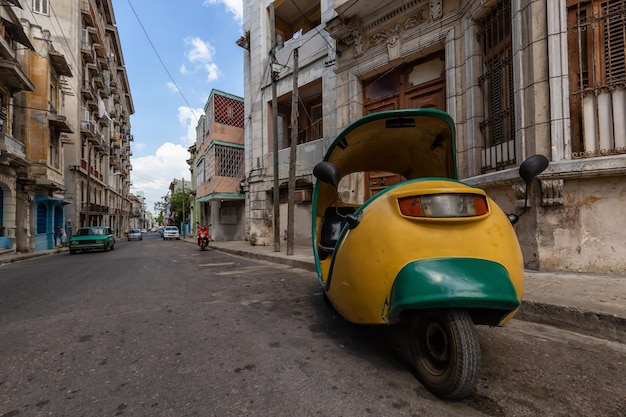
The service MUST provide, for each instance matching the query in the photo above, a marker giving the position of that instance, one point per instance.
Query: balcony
(88, 129)
(13, 77)
(59, 63)
(9, 145)
(59, 122)
(85, 10)
(86, 52)
(311, 46)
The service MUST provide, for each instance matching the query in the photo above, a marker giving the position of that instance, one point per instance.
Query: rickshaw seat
(332, 225)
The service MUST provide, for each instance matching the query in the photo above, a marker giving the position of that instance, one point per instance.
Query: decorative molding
(552, 192)
(436, 9)
(519, 188)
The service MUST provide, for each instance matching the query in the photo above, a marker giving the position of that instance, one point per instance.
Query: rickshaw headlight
(443, 205)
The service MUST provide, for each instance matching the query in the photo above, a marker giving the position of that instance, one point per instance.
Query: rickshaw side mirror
(529, 169)
(327, 172)
(532, 167)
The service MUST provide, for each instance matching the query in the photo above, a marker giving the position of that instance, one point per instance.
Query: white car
(171, 232)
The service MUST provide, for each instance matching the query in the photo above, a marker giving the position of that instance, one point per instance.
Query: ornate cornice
(364, 29)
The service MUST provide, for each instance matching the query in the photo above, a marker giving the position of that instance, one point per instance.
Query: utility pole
(183, 204)
(292, 156)
(87, 216)
(275, 129)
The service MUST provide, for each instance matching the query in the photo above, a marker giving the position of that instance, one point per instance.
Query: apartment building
(15, 203)
(40, 119)
(518, 78)
(217, 166)
(98, 105)
(269, 87)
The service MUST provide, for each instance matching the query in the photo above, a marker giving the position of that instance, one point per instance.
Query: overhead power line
(162, 63)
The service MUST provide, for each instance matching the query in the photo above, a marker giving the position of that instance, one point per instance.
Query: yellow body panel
(363, 268)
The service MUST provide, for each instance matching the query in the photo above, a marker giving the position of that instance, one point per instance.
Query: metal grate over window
(228, 161)
(228, 111)
(498, 128)
(597, 74)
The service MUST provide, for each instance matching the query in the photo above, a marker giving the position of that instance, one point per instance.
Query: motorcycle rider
(203, 234)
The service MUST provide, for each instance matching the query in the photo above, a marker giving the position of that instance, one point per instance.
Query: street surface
(159, 328)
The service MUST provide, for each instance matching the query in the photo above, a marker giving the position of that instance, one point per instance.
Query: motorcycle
(428, 249)
(203, 237)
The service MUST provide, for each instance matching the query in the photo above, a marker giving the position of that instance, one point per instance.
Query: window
(498, 128)
(310, 117)
(597, 75)
(228, 161)
(41, 6)
(317, 127)
(200, 172)
(293, 20)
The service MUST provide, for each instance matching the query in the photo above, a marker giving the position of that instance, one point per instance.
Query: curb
(601, 325)
(296, 263)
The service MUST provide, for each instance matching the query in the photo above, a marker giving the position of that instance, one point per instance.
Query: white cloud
(213, 72)
(233, 6)
(189, 117)
(153, 174)
(201, 53)
(173, 88)
(183, 69)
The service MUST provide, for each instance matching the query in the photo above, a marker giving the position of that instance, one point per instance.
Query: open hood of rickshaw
(413, 143)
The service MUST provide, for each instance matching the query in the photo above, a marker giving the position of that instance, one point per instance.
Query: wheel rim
(434, 346)
(445, 351)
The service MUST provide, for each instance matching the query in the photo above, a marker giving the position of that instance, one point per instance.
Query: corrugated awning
(17, 32)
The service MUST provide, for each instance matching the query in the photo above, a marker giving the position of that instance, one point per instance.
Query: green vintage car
(92, 238)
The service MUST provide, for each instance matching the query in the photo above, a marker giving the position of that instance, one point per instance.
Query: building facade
(15, 200)
(217, 167)
(98, 106)
(66, 109)
(519, 77)
(42, 121)
(269, 79)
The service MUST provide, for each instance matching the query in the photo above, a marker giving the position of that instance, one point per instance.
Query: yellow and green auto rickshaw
(428, 249)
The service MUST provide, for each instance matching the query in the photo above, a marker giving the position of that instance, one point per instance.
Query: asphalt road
(158, 328)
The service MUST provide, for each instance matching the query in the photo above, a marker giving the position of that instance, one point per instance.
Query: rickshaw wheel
(445, 351)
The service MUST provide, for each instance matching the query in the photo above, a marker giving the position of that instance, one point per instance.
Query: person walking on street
(63, 238)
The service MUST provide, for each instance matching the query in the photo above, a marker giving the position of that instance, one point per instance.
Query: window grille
(228, 111)
(498, 128)
(597, 74)
(226, 161)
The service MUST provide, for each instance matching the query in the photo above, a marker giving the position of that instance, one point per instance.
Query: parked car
(171, 232)
(135, 234)
(92, 238)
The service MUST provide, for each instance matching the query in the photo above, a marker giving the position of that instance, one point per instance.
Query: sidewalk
(590, 304)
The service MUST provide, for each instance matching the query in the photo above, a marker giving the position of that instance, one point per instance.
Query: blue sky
(195, 53)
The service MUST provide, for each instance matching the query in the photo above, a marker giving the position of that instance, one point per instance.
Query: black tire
(445, 351)
(113, 246)
(72, 252)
